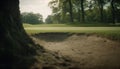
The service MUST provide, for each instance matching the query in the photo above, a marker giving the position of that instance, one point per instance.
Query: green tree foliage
(31, 18)
(49, 19)
(63, 9)
(97, 11)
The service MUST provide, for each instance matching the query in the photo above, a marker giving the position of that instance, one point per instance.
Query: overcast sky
(36, 6)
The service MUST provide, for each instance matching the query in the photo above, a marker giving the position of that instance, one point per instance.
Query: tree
(100, 4)
(64, 9)
(16, 48)
(49, 20)
(115, 10)
(77, 10)
(82, 10)
(32, 18)
(112, 11)
(85, 11)
(79, 5)
(71, 11)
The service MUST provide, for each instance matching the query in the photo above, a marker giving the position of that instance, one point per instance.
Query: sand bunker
(87, 50)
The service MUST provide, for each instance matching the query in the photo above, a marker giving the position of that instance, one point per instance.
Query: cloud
(36, 6)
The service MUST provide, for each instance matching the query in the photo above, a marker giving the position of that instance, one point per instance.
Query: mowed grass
(72, 25)
(110, 32)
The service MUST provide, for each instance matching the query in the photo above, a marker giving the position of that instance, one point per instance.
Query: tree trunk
(71, 11)
(113, 11)
(82, 11)
(101, 14)
(78, 15)
(16, 48)
(101, 10)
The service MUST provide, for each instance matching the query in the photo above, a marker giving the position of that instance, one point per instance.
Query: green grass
(110, 32)
(72, 25)
(46, 25)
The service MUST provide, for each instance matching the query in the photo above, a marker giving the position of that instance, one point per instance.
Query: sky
(36, 6)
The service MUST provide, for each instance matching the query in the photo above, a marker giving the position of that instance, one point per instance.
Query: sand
(86, 50)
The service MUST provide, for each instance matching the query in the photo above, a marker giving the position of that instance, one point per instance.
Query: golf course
(83, 47)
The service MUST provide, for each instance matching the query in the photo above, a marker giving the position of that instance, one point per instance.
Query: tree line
(83, 11)
(31, 18)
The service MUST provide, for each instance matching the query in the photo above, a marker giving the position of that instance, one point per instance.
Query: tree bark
(16, 48)
(82, 11)
(79, 15)
(101, 13)
(113, 11)
(71, 11)
(101, 10)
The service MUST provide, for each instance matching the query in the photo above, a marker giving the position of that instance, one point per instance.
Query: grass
(72, 25)
(110, 32)
(46, 25)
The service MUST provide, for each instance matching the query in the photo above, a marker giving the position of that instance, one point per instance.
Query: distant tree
(64, 9)
(31, 18)
(82, 10)
(114, 10)
(49, 20)
(100, 5)
(76, 10)
(71, 10)
(96, 11)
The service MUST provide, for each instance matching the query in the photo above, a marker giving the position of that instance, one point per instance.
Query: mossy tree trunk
(16, 48)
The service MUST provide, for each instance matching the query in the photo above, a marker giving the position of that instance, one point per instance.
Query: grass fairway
(112, 32)
(72, 25)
